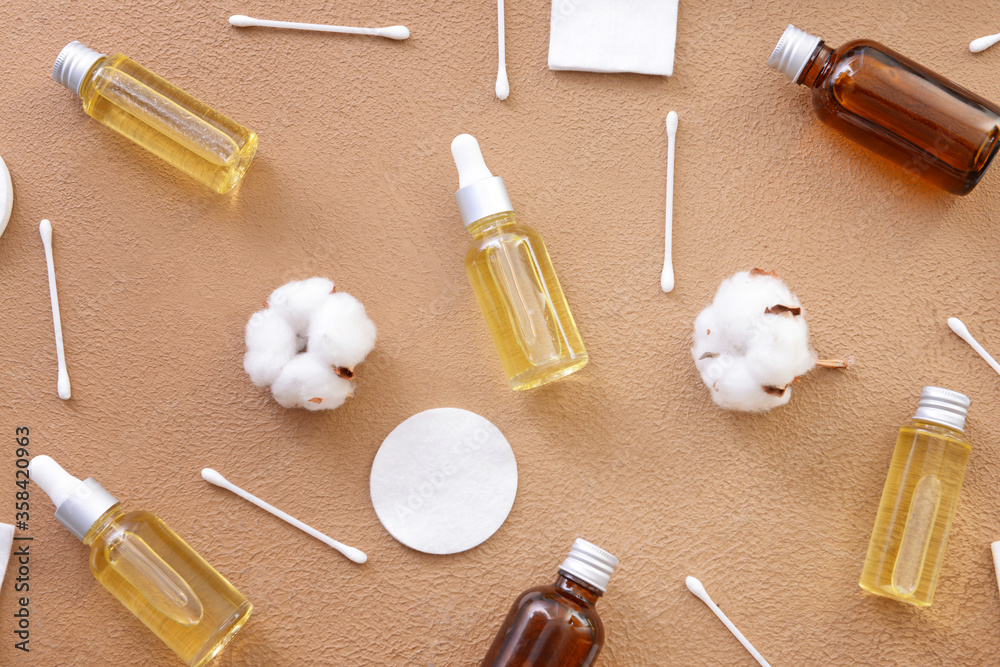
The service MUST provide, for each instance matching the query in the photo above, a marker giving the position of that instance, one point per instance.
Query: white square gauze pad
(613, 36)
(444, 481)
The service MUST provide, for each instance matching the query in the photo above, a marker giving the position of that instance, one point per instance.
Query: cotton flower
(752, 343)
(306, 343)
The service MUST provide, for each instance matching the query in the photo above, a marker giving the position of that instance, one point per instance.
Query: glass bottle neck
(102, 524)
(814, 67)
(491, 224)
(577, 589)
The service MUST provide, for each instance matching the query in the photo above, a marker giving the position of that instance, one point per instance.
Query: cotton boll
(308, 382)
(297, 300)
(271, 343)
(340, 332)
(752, 342)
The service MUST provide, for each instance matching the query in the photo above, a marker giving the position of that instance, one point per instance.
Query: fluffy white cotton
(271, 343)
(307, 382)
(298, 300)
(340, 332)
(752, 342)
(302, 342)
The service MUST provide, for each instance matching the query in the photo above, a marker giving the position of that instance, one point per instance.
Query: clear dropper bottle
(918, 500)
(147, 566)
(513, 278)
(126, 97)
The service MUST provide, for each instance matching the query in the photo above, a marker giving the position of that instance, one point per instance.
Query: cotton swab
(213, 477)
(503, 86)
(984, 43)
(392, 32)
(45, 228)
(695, 587)
(963, 332)
(667, 277)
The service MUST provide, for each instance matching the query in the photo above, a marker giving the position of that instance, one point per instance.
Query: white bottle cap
(480, 193)
(73, 63)
(793, 52)
(78, 504)
(943, 406)
(590, 564)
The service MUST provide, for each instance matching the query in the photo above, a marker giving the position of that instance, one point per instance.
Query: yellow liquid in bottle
(166, 584)
(187, 133)
(523, 304)
(915, 513)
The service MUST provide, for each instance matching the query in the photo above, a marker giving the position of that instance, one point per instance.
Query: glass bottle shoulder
(551, 602)
(918, 428)
(495, 236)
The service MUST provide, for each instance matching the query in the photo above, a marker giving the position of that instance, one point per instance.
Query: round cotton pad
(6, 196)
(444, 481)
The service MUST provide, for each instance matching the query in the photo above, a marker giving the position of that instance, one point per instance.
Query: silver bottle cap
(73, 63)
(590, 564)
(480, 193)
(943, 406)
(793, 52)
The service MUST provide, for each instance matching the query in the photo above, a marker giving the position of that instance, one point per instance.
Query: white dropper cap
(590, 564)
(793, 52)
(480, 193)
(73, 63)
(79, 504)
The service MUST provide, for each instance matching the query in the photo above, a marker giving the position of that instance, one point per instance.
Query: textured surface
(354, 180)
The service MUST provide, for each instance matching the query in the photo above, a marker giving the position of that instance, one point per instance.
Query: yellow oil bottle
(918, 500)
(126, 97)
(147, 566)
(513, 278)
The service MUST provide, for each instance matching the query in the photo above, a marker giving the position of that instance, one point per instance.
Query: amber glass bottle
(884, 101)
(557, 625)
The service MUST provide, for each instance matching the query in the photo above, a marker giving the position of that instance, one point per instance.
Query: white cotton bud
(752, 342)
(340, 332)
(296, 301)
(307, 382)
(271, 343)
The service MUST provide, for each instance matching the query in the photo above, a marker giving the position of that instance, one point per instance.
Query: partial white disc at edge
(444, 481)
(6, 196)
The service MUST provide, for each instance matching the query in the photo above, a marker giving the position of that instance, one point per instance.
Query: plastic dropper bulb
(55, 481)
(469, 160)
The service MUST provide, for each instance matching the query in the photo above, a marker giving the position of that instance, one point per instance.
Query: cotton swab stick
(45, 228)
(963, 332)
(213, 477)
(667, 277)
(503, 86)
(984, 43)
(392, 32)
(695, 587)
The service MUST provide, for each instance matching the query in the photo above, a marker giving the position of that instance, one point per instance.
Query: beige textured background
(354, 180)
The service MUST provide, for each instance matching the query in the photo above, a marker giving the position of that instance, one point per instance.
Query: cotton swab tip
(45, 228)
(958, 326)
(672, 123)
(62, 385)
(241, 21)
(394, 32)
(983, 43)
(695, 587)
(355, 555)
(213, 477)
(503, 86)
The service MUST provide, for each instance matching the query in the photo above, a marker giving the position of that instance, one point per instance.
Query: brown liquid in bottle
(557, 625)
(553, 625)
(923, 122)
